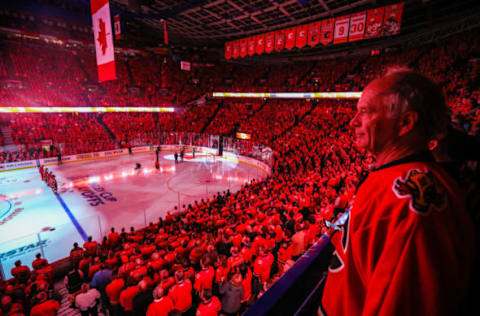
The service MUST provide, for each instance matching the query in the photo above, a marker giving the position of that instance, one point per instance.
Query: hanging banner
(243, 47)
(314, 33)
(392, 19)
(103, 37)
(260, 44)
(228, 50)
(236, 49)
(327, 31)
(357, 26)
(301, 39)
(374, 23)
(279, 40)
(117, 27)
(290, 37)
(269, 42)
(341, 29)
(252, 42)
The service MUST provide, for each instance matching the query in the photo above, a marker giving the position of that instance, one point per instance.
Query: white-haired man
(407, 246)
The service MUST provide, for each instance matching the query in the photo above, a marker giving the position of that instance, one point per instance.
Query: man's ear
(408, 120)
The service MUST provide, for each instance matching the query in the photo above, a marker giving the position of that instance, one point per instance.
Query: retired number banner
(102, 32)
(341, 29)
(374, 23)
(392, 19)
(357, 26)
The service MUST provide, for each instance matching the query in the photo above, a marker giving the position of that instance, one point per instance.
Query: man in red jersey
(210, 305)
(127, 295)
(20, 272)
(407, 246)
(204, 278)
(39, 262)
(43, 306)
(181, 292)
(91, 247)
(113, 238)
(113, 290)
(161, 305)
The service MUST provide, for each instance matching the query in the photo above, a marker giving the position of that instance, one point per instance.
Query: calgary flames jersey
(406, 249)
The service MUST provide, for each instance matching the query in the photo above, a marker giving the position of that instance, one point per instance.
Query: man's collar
(422, 156)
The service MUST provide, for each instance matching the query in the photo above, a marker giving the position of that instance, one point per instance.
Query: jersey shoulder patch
(422, 189)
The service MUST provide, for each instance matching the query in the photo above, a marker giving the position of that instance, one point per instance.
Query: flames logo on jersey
(422, 189)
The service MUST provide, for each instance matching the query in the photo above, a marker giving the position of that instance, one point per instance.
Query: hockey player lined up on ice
(49, 178)
(43, 173)
(53, 184)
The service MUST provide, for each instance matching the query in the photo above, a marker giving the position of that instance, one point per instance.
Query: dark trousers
(90, 312)
(115, 310)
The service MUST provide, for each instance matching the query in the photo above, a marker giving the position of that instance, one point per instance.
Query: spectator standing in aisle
(87, 301)
(232, 295)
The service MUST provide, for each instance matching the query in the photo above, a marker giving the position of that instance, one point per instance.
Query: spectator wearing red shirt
(139, 271)
(39, 262)
(181, 292)
(210, 305)
(263, 265)
(94, 267)
(44, 306)
(20, 273)
(161, 305)
(113, 290)
(147, 249)
(127, 295)
(247, 276)
(166, 281)
(284, 254)
(113, 238)
(76, 254)
(235, 259)
(204, 278)
(298, 242)
(91, 247)
(84, 264)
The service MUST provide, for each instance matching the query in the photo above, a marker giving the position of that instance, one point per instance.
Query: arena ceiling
(211, 23)
(208, 24)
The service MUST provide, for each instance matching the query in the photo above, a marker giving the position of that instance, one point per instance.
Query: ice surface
(100, 194)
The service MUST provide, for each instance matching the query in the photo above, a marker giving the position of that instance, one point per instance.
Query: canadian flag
(102, 33)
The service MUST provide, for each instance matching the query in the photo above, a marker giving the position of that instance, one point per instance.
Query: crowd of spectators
(221, 254)
(30, 291)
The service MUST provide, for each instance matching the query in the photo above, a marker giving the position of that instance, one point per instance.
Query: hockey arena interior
(239, 157)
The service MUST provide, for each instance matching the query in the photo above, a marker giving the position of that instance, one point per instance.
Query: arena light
(65, 109)
(289, 95)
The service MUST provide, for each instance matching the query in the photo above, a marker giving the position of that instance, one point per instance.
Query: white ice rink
(99, 194)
